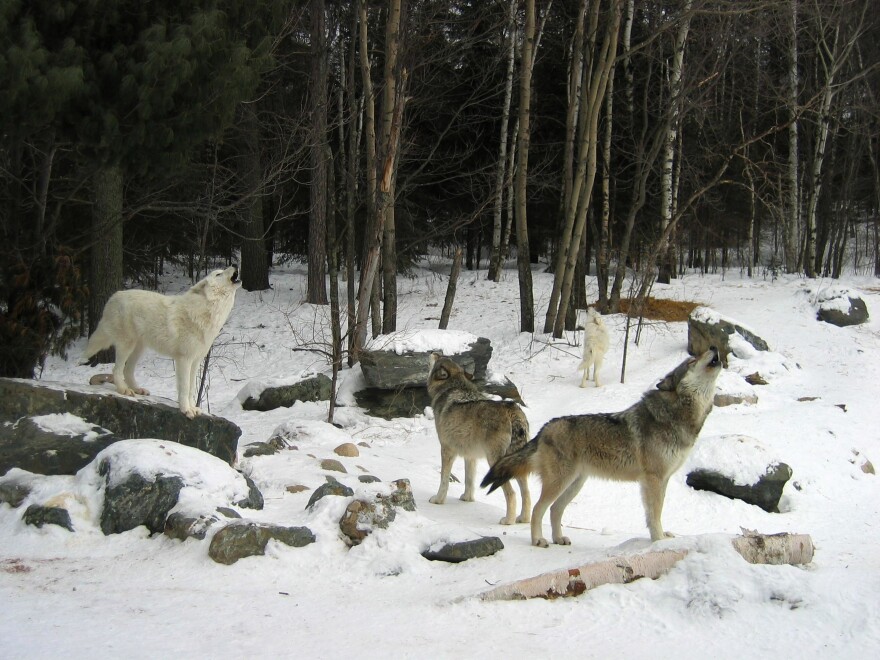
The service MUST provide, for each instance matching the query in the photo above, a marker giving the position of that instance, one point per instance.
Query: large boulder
(316, 388)
(50, 428)
(412, 401)
(841, 307)
(707, 328)
(401, 359)
(739, 467)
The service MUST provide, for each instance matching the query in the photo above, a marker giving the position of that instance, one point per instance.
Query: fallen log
(753, 547)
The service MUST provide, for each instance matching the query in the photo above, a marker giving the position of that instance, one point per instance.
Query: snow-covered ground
(78, 595)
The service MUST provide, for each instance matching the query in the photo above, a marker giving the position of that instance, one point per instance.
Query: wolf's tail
(98, 342)
(510, 466)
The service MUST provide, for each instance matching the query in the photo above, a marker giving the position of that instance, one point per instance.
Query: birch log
(754, 548)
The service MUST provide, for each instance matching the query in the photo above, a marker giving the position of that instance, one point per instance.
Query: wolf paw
(467, 498)
(562, 540)
(436, 499)
(524, 518)
(541, 543)
(141, 391)
(505, 521)
(192, 412)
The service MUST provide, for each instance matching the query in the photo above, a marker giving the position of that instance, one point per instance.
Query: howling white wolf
(182, 327)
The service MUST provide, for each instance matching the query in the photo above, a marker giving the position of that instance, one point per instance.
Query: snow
(446, 342)
(83, 594)
(68, 424)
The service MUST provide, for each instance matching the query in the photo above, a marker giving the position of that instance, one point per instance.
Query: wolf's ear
(667, 384)
(468, 375)
(200, 287)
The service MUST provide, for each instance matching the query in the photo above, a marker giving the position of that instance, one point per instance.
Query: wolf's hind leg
(123, 351)
(558, 508)
(470, 477)
(128, 371)
(550, 491)
(526, 510)
(510, 502)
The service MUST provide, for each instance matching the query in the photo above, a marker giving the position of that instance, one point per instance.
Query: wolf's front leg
(447, 456)
(183, 369)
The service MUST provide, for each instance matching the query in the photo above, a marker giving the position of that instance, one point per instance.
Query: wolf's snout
(715, 361)
(234, 277)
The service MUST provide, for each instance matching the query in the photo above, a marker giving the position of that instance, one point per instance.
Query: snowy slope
(86, 595)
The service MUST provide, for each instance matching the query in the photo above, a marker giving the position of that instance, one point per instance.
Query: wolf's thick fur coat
(472, 426)
(182, 327)
(595, 346)
(646, 443)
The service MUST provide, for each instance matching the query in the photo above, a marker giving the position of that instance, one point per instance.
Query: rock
(254, 500)
(298, 488)
(412, 401)
(247, 539)
(38, 516)
(260, 449)
(462, 551)
(756, 379)
(13, 494)
(182, 527)
(141, 482)
(332, 487)
(111, 417)
(722, 400)
(841, 307)
(361, 516)
(137, 501)
(708, 328)
(368, 479)
(311, 389)
(333, 465)
(390, 370)
(348, 450)
(765, 493)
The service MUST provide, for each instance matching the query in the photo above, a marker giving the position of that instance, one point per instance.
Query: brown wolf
(472, 426)
(646, 442)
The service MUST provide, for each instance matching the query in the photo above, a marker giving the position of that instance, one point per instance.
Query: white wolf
(595, 346)
(182, 327)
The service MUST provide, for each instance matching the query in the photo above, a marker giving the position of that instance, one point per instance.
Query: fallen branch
(754, 548)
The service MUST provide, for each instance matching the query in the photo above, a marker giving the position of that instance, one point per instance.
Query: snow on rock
(741, 458)
(448, 342)
(69, 424)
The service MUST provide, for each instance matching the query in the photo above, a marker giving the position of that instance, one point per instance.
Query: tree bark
(526, 302)
(792, 216)
(755, 548)
(317, 287)
(105, 264)
(497, 255)
(254, 262)
(450, 289)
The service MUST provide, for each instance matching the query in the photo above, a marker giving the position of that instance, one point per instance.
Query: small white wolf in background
(595, 345)
(182, 327)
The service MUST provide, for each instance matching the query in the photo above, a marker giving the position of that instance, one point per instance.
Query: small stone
(330, 488)
(455, 553)
(368, 479)
(755, 379)
(246, 539)
(297, 488)
(723, 400)
(333, 465)
(260, 449)
(38, 516)
(867, 467)
(347, 449)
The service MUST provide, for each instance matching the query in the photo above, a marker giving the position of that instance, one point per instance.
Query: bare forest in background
(622, 140)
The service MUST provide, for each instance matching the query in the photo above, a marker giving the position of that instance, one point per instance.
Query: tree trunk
(105, 264)
(776, 549)
(317, 287)
(792, 216)
(497, 258)
(526, 302)
(254, 264)
(450, 289)
(668, 185)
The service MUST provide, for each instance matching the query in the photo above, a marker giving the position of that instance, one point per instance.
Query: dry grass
(664, 310)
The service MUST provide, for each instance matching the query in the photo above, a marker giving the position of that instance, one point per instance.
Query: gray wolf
(646, 443)
(472, 426)
(595, 346)
(182, 327)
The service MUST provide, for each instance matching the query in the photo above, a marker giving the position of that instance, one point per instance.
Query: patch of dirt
(657, 309)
